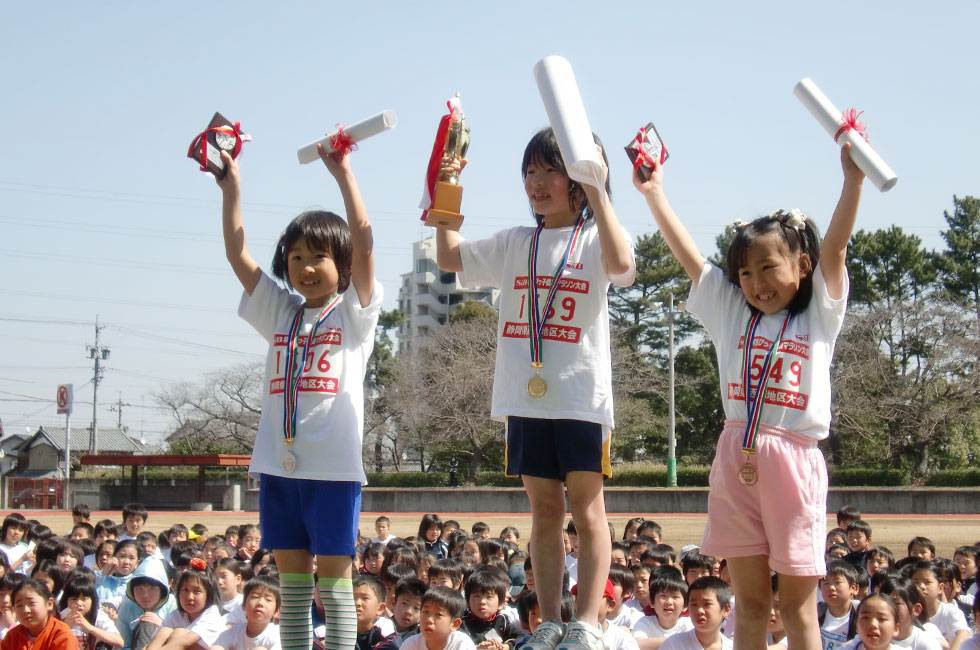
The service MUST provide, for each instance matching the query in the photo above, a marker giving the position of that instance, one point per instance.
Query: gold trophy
(448, 194)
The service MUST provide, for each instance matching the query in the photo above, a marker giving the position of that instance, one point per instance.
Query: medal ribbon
(235, 130)
(293, 379)
(753, 407)
(536, 320)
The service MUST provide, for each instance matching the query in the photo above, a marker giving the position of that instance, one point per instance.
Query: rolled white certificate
(364, 129)
(863, 155)
(566, 112)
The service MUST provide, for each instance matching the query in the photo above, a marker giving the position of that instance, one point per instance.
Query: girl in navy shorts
(552, 383)
(773, 317)
(308, 447)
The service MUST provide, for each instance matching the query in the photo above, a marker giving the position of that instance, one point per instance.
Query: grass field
(893, 531)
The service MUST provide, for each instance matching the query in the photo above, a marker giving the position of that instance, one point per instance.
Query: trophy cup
(447, 195)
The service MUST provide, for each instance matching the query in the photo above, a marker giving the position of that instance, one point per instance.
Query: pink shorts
(784, 515)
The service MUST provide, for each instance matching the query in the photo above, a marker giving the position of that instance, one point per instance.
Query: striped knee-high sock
(337, 595)
(295, 621)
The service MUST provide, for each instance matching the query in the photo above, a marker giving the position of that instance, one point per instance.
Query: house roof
(111, 440)
(12, 443)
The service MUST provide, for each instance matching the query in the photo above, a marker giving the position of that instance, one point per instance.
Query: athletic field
(893, 531)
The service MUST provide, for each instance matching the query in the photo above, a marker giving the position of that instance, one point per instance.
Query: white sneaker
(581, 636)
(545, 637)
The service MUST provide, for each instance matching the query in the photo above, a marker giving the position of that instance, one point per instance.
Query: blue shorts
(553, 448)
(316, 516)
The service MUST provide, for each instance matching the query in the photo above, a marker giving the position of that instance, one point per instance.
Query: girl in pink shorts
(773, 316)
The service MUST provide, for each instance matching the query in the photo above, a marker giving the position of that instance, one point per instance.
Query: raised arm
(615, 247)
(675, 234)
(236, 248)
(361, 235)
(447, 241)
(833, 252)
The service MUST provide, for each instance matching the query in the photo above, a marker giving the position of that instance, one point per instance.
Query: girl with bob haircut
(39, 628)
(320, 327)
(553, 375)
(430, 536)
(197, 621)
(773, 316)
(80, 609)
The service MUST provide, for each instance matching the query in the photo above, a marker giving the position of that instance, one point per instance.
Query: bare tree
(443, 388)
(905, 410)
(220, 414)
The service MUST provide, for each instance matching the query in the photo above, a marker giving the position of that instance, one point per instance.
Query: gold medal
(748, 475)
(288, 462)
(537, 386)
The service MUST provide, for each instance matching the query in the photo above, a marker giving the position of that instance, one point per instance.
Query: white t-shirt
(950, 620)
(207, 626)
(833, 632)
(235, 616)
(919, 639)
(798, 394)
(857, 644)
(575, 345)
(235, 638)
(627, 617)
(386, 625)
(383, 541)
(617, 638)
(228, 606)
(330, 420)
(648, 627)
(689, 641)
(14, 553)
(457, 641)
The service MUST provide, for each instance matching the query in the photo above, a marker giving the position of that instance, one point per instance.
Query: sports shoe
(545, 637)
(581, 636)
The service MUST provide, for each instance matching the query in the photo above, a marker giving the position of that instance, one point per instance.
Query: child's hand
(150, 617)
(338, 165)
(110, 611)
(450, 165)
(654, 184)
(852, 173)
(493, 644)
(110, 566)
(232, 180)
(244, 553)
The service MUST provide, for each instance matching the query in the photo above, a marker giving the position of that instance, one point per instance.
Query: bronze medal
(537, 386)
(748, 475)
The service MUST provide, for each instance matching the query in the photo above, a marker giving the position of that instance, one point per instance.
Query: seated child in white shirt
(261, 602)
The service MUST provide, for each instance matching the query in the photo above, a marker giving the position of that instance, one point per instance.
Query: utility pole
(118, 407)
(671, 419)
(98, 353)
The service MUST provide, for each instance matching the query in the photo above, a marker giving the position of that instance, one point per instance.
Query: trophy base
(444, 213)
(444, 220)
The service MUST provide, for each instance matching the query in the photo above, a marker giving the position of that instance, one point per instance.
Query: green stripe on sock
(337, 595)
(296, 624)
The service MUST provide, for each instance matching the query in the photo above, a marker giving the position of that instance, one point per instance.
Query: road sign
(64, 399)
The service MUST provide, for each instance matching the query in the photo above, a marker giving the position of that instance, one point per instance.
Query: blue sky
(101, 213)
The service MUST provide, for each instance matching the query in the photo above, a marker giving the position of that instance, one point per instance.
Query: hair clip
(794, 219)
(198, 564)
(739, 224)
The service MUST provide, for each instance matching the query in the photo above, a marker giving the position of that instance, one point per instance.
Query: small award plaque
(647, 146)
(221, 135)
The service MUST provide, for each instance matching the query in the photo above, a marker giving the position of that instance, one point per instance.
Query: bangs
(542, 150)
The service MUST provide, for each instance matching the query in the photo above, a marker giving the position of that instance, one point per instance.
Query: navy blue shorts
(553, 448)
(316, 516)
